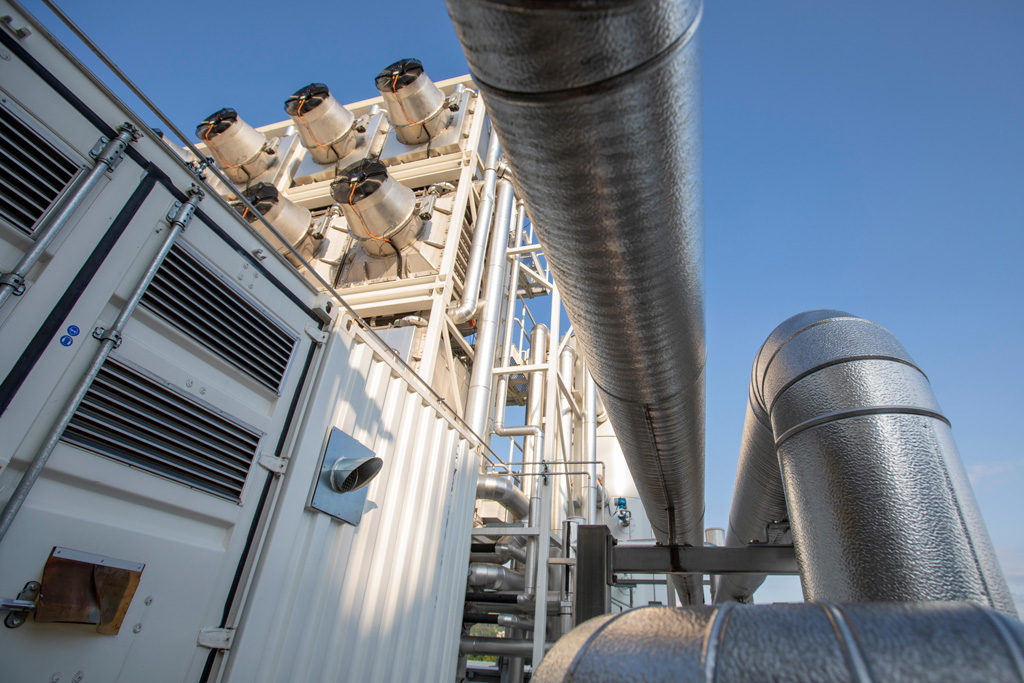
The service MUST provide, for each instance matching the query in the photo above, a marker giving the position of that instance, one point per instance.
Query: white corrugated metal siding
(381, 601)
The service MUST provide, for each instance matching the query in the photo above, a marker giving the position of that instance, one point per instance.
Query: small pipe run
(590, 445)
(466, 307)
(107, 160)
(478, 399)
(502, 491)
(534, 411)
(837, 405)
(109, 339)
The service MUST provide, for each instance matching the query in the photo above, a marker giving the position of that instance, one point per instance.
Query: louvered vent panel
(136, 419)
(189, 295)
(33, 173)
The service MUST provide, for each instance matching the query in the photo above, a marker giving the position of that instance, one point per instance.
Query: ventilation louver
(33, 173)
(129, 416)
(190, 296)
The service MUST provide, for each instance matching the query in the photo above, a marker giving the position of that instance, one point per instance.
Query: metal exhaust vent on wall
(33, 173)
(192, 297)
(140, 420)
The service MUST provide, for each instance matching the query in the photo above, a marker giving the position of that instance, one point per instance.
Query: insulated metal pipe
(839, 406)
(507, 647)
(590, 444)
(569, 86)
(534, 411)
(502, 491)
(494, 577)
(109, 339)
(568, 484)
(798, 642)
(107, 160)
(466, 307)
(478, 399)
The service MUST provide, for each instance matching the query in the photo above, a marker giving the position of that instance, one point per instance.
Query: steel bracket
(314, 332)
(15, 282)
(19, 608)
(103, 334)
(273, 463)
(8, 23)
(216, 638)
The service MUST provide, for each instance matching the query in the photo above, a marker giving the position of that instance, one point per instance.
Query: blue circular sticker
(66, 340)
(73, 330)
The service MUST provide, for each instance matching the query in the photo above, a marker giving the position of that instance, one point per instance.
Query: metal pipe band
(478, 399)
(567, 86)
(109, 339)
(837, 404)
(466, 307)
(504, 492)
(739, 643)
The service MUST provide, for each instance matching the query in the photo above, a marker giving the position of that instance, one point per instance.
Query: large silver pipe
(590, 444)
(502, 491)
(107, 160)
(846, 410)
(466, 307)
(598, 108)
(535, 444)
(493, 577)
(109, 339)
(801, 642)
(478, 399)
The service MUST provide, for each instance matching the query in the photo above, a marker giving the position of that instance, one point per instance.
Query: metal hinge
(19, 607)
(8, 22)
(273, 463)
(216, 638)
(315, 333)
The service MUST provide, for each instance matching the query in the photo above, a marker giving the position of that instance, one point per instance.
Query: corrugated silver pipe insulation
(880, 505)
(502, 491)
(493, 577)
(597, 104)
(909, 643)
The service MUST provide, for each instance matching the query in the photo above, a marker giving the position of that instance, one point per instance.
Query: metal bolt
(55, 677)
(78, 677)
(202, 390)
(245, 265)
(240, 276)
(136, 628)
(149, 600)
(188, 383)
(250, 285)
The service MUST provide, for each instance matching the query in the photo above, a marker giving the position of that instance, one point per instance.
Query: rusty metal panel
(81, 588)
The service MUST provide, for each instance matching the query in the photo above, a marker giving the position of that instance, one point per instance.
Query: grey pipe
(846, 410)
(598, 109)
(502, 491)
(534, 411)
(590, 445)
(493, 577)
(506, 647)
(515, 621)
(478, 400)
(109, 339)
(800, 642)
(107, 160)
(466, 307)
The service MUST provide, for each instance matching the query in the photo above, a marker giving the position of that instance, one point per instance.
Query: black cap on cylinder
(216, 123)
(358, 181)
(398, 75)
(261, 195)
(308, 98)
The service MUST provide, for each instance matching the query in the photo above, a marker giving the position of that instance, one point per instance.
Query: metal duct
(325, 126)
(237, 147)
(416, 107)
(290, 219)
(380, 211)
(597, 105)
(494, 577)
(502, 491)
(801, 642)
(848, 412)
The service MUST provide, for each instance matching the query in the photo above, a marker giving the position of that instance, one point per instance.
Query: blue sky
(865, 156)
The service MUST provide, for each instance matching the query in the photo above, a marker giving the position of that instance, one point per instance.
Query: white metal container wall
(381, 601)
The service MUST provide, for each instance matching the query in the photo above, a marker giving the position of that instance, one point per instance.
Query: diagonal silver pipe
(597, 105)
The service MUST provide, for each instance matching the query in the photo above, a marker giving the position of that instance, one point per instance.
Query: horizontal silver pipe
(503, 491)
(507, 647)
(515, 621)
(839, 406)
(791, 642)
(466, 307)
(493, 577)
(598, 109)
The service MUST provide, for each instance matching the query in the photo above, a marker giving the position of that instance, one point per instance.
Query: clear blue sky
(866, 156)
